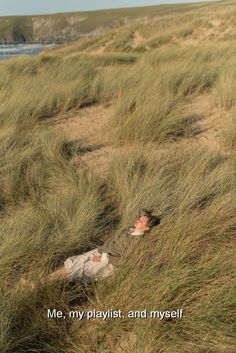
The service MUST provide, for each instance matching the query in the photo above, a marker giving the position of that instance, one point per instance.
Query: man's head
(146, 220)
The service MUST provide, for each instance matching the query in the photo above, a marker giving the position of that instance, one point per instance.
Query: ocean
(12, 50)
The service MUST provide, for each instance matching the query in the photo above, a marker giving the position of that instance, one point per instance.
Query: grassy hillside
(71, 26)
(170, 138)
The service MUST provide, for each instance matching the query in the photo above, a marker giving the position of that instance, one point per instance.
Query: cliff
(66, 27)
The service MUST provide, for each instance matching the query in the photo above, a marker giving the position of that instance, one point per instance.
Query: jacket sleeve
(110, 245)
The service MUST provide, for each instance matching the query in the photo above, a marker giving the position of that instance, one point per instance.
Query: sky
(35, 7)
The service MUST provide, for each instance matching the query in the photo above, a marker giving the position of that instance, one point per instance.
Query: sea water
(12, 50)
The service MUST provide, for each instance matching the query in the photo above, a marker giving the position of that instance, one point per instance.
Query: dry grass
(225, 87)
(182, 263)
(229, 132)
(51, 208)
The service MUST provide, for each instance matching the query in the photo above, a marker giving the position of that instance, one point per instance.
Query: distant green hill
(71, 26)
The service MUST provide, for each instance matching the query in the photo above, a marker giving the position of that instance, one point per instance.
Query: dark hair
(153, 220)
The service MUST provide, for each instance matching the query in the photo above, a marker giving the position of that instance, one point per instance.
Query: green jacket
(120, 245)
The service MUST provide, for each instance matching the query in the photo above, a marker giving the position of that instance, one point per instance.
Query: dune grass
(229, 133)
(224, 90)
(159, 41)
(57, 210)
(183, 263)
(153, 112)
(191, 253)
(55, 84)
(51, 208)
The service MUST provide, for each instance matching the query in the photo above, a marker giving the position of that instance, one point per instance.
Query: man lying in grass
(104, 260)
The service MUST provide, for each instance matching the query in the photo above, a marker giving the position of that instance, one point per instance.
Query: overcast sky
(32, 7)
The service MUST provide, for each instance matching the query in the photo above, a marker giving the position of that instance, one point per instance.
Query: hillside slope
(71, 26)
(143, 116)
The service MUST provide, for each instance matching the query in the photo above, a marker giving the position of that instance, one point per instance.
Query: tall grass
(52, 89)
(229, 133)
(181, 264)
(151, 108)
(108, 84)
(184, 32)
(160, 40)
(225, 88)
(122, 41)
(54, 84)
(49, 211)
(51, 208)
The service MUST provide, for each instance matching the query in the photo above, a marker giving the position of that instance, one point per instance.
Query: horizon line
(114, 8)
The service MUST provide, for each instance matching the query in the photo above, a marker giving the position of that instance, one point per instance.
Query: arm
(117, 247)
